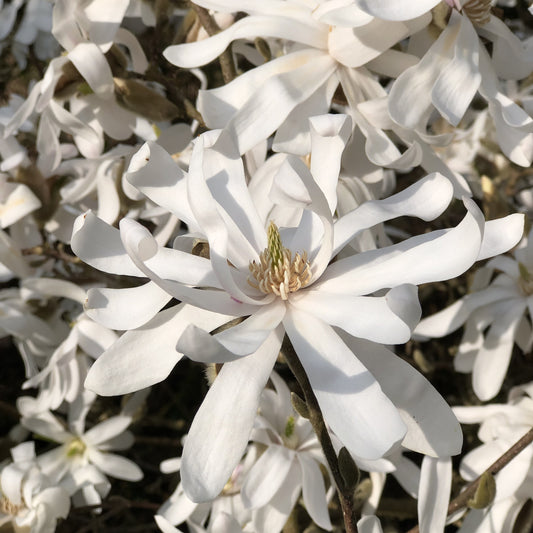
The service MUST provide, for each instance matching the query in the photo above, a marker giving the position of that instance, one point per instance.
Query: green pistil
(289, 427)
(275, 248)
(76, 447)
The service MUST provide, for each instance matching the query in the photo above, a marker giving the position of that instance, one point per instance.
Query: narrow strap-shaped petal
(266, 476)
(232, 343)
(126, 308)
(501, 235)
(314, 491)
(388, 319)
(115, 465)
(434, 494)
(396, 9)
(434, 256)
(106, 430)
(128, 365)
(221, 428)
(425, 199)
(352, 402)
(199, 53)
(432, 428)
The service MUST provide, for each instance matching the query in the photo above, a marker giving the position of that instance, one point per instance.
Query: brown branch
(210, 25)
(319, 426)
(462, 499)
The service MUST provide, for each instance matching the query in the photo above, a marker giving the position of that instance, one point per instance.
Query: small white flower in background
(456, 67)
(501, 425)
(288, 466)
(282, 280)
(500, 300)
(29, 499)
(82, 461)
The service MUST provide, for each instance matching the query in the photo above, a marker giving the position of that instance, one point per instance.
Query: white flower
(325, 45)
(501, 425)
(84, 457)
(498, 304)
(283, 280)
(455, 68)
(28, 498)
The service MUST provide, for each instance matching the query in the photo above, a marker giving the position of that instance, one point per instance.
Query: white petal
(266, 476)
(93, 66)
(199, 53)
(146, 355)
(501, 235)
(434, 494)
(220, 430)
(388, 319)
(493, 358)
(234, 342)
(434, 256)
(352, 402)
(396, 9)
(126, 308)
(115, 465)
(106, 430)
(272, 102)
(432, 427)
(425, 199)
(314, 491)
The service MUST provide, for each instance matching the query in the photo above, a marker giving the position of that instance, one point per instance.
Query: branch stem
(210, 25)
(462, 499)
(319, 426)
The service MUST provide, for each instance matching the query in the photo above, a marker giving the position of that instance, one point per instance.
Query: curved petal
(146, 355)
(493, 358)
(115, 465)
(432, 428)
(266, 476)
(434, 493)
(501, 235)
(388, 319)
(201, 52)
(220, 430)
(396, 9)
(425, 199)
(126, 308)
(435, 256)
(234, 342)
(109, 428)
(352, 402)
(314, 491)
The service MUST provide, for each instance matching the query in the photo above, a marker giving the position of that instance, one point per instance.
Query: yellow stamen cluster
(76, 447)
(478, 11)
(8, 507)
(277, 271)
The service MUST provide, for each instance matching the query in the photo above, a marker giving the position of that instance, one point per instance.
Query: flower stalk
(344, 492)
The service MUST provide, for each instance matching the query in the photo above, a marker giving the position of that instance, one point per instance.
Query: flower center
(8, 507)
(277, 271)
(76, 447)
(478, 11)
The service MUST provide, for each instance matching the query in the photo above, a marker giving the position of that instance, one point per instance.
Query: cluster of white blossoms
(261, 186)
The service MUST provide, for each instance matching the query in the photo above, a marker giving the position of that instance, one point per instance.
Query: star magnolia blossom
(499, 305)
(325, 42)
(255, 274)
(501, 425)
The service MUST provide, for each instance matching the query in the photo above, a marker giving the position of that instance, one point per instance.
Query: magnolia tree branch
(319, 426)
(211, 27)
(466, 495)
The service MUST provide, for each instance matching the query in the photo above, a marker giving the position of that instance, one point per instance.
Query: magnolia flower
(84, 458)
(283, 280)
(501, 425)
(28, 499)
(455, 68)
(326, 43)
(498, 304)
